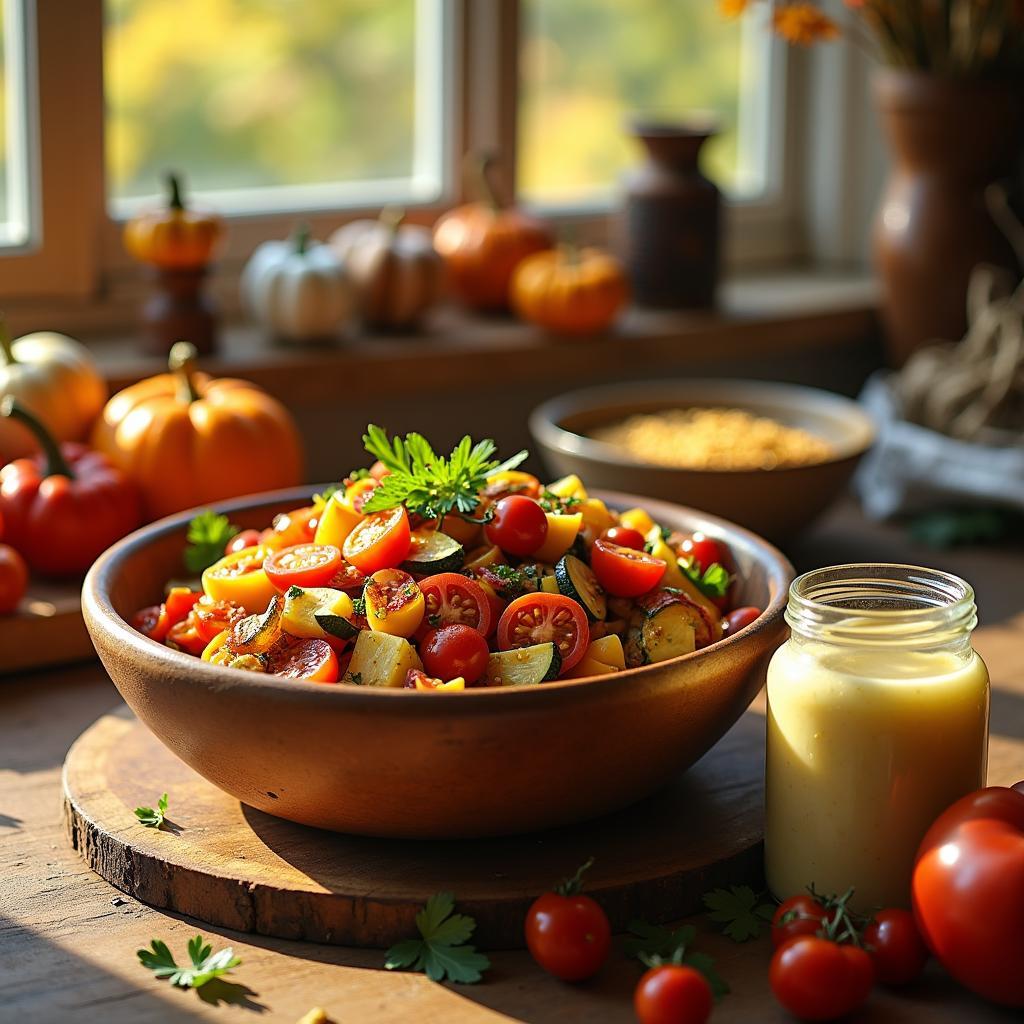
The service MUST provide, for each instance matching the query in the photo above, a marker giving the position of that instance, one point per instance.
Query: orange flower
(733, 8)
(803, 24)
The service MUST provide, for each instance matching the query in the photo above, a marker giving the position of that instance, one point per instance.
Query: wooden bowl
(383, 762)
(775, 503)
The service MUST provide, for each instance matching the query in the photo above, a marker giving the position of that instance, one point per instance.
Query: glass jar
(877, 721)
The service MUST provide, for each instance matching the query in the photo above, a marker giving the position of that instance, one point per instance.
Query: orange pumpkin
(482, 243)
(187, 439)
(176, 238)
(569, 290)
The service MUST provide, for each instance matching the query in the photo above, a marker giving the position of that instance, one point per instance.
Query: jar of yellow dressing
(877, 721)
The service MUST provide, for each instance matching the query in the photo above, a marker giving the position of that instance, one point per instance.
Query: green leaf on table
(204, 963)
(440, 951)
(153, 817)
(742, 911)
(654, 945)
(207, 536)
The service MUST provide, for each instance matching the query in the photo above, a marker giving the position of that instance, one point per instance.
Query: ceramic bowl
(775, 503)
(383, 762)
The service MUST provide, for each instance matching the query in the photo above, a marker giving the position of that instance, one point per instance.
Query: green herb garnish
(153, 817)
(359, 606)
(551, 502)
(356, 677)
(441, 950)
(713, 582)
(206, 965)
(428, 484)
(741, 910)
(208, 535)
(654, 945)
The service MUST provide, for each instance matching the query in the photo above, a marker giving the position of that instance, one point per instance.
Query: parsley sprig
(208, 534)
(205, 964)
(153, 817)
(429, 484)
(654, 945)
(441, 950)
(712, 582)
(742, 912)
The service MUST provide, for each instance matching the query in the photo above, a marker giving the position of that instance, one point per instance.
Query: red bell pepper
(65, 506)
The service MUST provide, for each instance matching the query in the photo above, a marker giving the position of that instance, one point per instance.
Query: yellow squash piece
(337, 520)
(562, 530)
(570, 486)
(380, 659)
(608, 651)
(590, 667)
(596, 517)
(394, 603)
(483, 556)
(239, 577)
(549, 584)
(458, 683)
(637, 519)
(302, 606)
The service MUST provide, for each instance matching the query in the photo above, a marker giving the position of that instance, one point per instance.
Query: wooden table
(68, 939)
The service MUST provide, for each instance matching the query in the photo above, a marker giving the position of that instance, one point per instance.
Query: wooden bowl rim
(546, 420)
(101, 616)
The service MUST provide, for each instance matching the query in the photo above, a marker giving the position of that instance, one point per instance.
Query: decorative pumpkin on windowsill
(483, 242)
(570, 291)
(394, 266)
(55, 379)
(298, 290)
(188, 439)
(179, 244)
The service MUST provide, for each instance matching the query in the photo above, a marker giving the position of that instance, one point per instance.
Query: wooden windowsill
(763, 317)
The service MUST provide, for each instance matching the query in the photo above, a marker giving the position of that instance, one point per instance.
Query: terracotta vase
(949, 141)
(672, 219)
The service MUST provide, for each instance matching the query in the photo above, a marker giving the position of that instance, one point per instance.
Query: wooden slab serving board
(236, 867)
(47, 629)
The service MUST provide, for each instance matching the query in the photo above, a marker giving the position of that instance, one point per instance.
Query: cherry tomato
(968, 892)
(349, 579)
(302, 565)
(625, 537)
(896, 947)
(542, 617)
(13, 579)
(569, 936)
(212, 617)
(703, 550)
(519, 526)
(295, 527)
(799, 915)
(152, 622)
(672, 994)
(625, 572)
(379, 541)
(303, 658)
(451, 597)
(816, 979)
(740, 618)
(455, 650)
(243, 540)
(186, 637)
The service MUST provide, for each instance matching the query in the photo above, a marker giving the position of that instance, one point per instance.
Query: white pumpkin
(53, 377)
(394, 266)
(297, 289)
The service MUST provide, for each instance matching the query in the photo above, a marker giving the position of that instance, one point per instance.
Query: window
(14, 137)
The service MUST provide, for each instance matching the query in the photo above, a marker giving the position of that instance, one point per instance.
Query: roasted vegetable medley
(445, 572)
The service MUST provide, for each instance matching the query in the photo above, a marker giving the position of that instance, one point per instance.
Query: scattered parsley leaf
(741, 910)
(355, 677)
(654, 945)
(208, 535)
(153, 817)
(358, 605)
(429, 484)
(551, 502)
(713, 582)
(205, 964)
(440, 951)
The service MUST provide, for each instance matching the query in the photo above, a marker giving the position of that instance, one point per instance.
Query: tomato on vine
(799, 915)
(896, 947)
(673, 994)
(818, 979)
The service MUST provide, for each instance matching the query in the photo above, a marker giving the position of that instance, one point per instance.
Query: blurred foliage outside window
(4, 93)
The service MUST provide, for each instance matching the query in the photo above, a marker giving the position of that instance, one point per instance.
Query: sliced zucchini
(576, 580)
(666, 625)
(380, 659)
(305, 607)
(336, 625)
(524, 666)
(433, 552)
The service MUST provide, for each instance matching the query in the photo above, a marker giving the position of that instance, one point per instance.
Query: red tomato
(740, 618)
(295, 527)
(703, 550)
(13, 579)
(186, 637)
(380, 541)
(451, 597)
(542, 617)
(179, 602)
(519, 525)
(816, 979)
(896, 947)
(302, 565)
(455, 650)
(568, 935)
(625, 537)
(212, 617)
(799, 915)
(152, 622)
(378, 470)
(968, 892)
(300, 658)
(349, 579)
(625, 572)
(672, 994)
(243, 540)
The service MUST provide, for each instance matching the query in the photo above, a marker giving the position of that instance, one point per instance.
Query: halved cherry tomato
(243, 540)
(303, 658)
(455, 650)
(179, 602)
(542, 617)
(416, 679)
(451, 597)
(152, 622)
(703, 550)
(512, 481)
(211, 617)
(379, 541)
(240, 578)
(394, 603)
(186, 637)
(349, 579)
(302, 565)
(519, 525)
(624, 572)
(625, 537)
